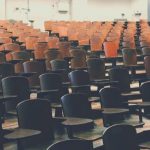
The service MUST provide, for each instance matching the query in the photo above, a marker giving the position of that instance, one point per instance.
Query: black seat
(62, 67)
(129, 57)
(71, 144)
(76, 105)
(80, 82)
(37, 115)
(59, 64)
(122, 76)
(147, 65)
(144, 89)
(79, 58)
(53, 81)
(34, 66)
(51, 55)
(111, 98)
(15, 85)
(120, 137)
(96, 68)
(6, 69)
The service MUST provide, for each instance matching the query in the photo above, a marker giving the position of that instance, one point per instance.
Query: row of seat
(115, 137)
(80, 82)
(74, 105)
(42, 48)
(53, 88)
(32, 40)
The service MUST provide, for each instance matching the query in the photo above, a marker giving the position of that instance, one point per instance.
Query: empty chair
(76, 105)
(129, 57)
(5, 40)
(36, 114)
(71, 144)
(144, 89)
(146, 50)
(22, 36)
(16, 86)
(111, 98)
(64, 47)
(144, 44)
(2, 58)
(30, 42)
(6, 69)
(96, 68)
(62, 67)
(8, 47)
(48, 25)
(128, 44)
(96, 43)
(122, 76)
(80, 81)
(83, 39)
(59, 64)
(12, 47)
(42, 36)
(73, 37)
(34, 66)
(120, 137)
(147, 65)
(111, 49)
(62, 30)
(51, 55)
(22, 55)
(79, 58)
(52, 81)
(39, 49)
(53, 42)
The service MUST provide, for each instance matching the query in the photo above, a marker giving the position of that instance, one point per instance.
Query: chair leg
(70, 132)
(140, 115)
